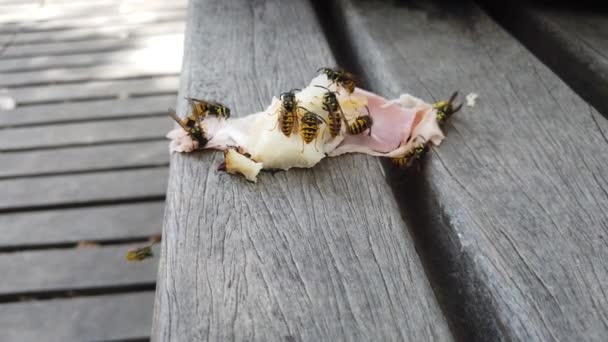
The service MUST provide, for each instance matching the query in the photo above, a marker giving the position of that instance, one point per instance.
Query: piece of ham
(397, 125)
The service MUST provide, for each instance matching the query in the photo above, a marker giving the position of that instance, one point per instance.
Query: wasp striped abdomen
(361, 124)
(288, 116)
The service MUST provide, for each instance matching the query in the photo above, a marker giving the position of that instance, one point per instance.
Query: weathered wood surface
(510, 212)
(79, 18)
(128, 58)
(84, 133)
(78, 34)
(69, 226)
(572, 40)
(84, 159)
(96, 73)
(92, 90)
(92, 46)
(79, 189)
(83, 164)
(97, 318)
(315, 254)
(92, 110)
(74, 269)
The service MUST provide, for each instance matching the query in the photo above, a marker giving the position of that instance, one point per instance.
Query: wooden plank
(170, 67)
(80, 189)
(91, 110)
(92, 90)
(78, 159)
(128, 58)
(572, 42)
(104, 223)
(510, 211)
(73, 269)
(316, 254)
(88, 46)
(85, 133)
(48, 18)
(98, 318)
(110, 31)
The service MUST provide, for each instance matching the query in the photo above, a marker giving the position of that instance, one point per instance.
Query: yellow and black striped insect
(143, 252)
(417, 153)
(345, 79)
(192, 125)
(445, 109)
(361, 123)
(140, 253)
(288, 116)
(335, 116)
(205, 108)
(310, 126)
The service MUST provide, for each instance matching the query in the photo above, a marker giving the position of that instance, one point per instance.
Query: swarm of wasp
(288, 115)
(344, 79)
(361, 123)
(310, 126)
(445, 109)
(412, 156)
(335, 116)
(204, 108)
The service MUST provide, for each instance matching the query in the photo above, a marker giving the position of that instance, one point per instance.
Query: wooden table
(501, 236)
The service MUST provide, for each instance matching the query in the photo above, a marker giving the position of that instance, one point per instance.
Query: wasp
(288, 116)
(445, 109)
(204, 108)
(335, 116)
(144, 252)
(192, 125)
(361, 123)
(413, 155)
(340, 77)
(309, 126)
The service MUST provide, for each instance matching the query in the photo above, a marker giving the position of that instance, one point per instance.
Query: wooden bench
(503, 235)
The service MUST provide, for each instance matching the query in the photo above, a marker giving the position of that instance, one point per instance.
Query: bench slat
(88, 46)
(92, 90)
(53, 227)
(80, 159)
(315, 254)
(31, 193)
(73, 269)
(98, 318)
(84, 133)
(572, 41)
(510, 211)
(97, 109)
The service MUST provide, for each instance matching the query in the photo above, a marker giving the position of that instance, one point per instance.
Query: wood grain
(572, 40)
(92, 90)
(313, 255)
(127, 58)
(92, 46)
(91, 110)
(84, 159)
(102, 223)
(510, 212)
(98, 318)
(85, 133)
(79, 189)
(73, 269)
(88, 33)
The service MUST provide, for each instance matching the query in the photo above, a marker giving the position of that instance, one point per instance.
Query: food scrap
(471, 99)
(329, 117)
